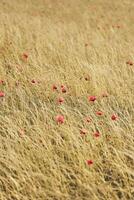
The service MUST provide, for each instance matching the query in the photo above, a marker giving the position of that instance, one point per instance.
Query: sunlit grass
(66, 97)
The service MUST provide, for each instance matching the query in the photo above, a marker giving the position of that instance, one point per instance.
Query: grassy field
(66, 99)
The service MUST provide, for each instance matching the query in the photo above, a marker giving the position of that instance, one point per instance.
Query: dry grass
(40, 160)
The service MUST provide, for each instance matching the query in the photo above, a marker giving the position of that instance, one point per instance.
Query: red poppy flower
(87, 78)
(2, 94)
(83, 131)
(92, 98)
(60, 119)
(97, 134)
(1, 82)
(89, 162)
(114, 117)
(63, 89)
(60, 100)
(129, 63)
(99, 113)
(25, 55)
(54, 87)
(33, 81)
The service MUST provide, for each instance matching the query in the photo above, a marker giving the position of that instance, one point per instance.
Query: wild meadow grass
(66, 100)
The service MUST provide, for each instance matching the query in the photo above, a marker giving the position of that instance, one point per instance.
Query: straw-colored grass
(83, 45)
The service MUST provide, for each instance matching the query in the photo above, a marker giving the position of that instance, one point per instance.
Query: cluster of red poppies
(60, 119)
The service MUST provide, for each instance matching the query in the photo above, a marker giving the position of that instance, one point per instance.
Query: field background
(84, 45)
